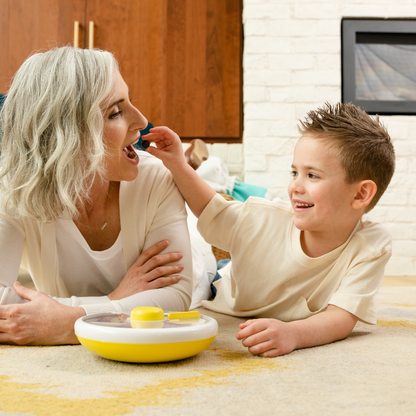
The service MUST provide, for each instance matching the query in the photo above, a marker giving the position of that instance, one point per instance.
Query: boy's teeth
(303, 205)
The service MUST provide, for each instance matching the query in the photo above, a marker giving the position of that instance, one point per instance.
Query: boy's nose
(296, 186)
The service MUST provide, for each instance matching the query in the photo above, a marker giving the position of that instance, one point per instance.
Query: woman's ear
(365, 193)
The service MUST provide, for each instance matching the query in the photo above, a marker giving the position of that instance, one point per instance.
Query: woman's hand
(41, 321)
(149, 272)
(168, 147)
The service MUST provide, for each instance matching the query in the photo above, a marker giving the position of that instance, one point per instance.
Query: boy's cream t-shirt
(270, 276)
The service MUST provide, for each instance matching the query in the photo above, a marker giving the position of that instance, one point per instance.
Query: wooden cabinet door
(29, 26)
(132, 30)
(203, 69)
(181, 60)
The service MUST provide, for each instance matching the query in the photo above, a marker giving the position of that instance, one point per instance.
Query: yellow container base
(146, 353)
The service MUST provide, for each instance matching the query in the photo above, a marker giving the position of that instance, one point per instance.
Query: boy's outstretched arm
(196, 192)
(271, 337)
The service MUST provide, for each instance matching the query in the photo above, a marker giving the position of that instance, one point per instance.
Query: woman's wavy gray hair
(52, 125)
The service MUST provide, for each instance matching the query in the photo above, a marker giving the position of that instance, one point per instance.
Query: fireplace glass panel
(385, 72)
(379, 65)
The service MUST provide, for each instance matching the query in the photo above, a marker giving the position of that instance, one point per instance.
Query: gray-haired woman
(99, 226)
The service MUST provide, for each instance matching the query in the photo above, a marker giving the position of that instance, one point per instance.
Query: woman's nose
(139, 121)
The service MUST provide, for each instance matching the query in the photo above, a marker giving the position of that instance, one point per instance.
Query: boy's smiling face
(320, 196)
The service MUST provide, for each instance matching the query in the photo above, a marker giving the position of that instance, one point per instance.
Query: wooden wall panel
(36, 25)
(174, 66)
(180, 58)
(196, 69)
(216, 90)
(5, 45)
(132, 31)
(202, 68)
(233, 69)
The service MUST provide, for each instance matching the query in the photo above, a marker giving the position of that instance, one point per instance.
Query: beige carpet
(372, 372)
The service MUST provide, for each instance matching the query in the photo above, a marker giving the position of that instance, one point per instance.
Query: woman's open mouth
(129, 152)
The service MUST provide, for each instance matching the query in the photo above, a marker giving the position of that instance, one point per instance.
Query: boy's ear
(365, 193)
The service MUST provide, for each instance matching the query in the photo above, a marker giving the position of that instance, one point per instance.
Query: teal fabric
(242, 191)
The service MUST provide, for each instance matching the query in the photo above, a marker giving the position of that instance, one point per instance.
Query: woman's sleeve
(11, 249)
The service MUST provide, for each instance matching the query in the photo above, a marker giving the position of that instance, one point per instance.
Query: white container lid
(174, 327)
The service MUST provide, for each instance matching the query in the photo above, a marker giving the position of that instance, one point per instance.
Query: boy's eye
(293, 174)
(312, 176)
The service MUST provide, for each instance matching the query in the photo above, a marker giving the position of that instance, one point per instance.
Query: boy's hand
(267, 337)
(196, 192)
(271, 337)
(168, 147)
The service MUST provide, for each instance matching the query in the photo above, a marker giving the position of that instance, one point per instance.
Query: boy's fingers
(246, 323)
(255, 327)
(159, 129)
(152, 137)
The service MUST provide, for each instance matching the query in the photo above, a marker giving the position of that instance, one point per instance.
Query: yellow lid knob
(147, 313)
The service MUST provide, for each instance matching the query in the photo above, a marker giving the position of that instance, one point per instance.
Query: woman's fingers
(150, 259)
(42, 321)
(151, 252)
(163, 281)
(160, 260)
(163, 271)
(24, 292)
(150, 271)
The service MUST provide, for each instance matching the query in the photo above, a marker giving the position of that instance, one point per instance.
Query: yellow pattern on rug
(396, 324)
(18, 397)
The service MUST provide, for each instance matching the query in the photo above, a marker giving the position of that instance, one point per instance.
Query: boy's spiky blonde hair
(361, 143)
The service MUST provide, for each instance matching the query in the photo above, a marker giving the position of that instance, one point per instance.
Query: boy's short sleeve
(356, 293)
(217, 223)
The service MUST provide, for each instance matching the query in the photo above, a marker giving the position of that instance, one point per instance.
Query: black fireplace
(379, 65)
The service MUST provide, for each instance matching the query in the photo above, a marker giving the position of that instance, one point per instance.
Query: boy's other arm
(196, 192)
(271, 337)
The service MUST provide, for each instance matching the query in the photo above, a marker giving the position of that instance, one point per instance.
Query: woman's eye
(115, 115)
(293, 174)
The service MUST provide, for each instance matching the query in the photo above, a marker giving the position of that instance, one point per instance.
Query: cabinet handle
(91, 36)
(76, 34)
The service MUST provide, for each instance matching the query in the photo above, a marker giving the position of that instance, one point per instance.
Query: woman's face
(122, 125)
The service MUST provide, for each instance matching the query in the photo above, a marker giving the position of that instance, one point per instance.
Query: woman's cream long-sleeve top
(151, 210)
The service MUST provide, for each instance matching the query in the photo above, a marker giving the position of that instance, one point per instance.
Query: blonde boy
(308, 269)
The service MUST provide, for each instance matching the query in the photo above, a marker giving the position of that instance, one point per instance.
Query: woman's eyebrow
(116, 102)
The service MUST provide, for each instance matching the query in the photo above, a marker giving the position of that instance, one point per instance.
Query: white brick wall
(292, 64)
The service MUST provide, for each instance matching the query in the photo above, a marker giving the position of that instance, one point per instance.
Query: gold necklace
(105, 213)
